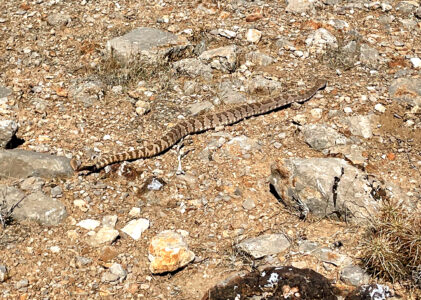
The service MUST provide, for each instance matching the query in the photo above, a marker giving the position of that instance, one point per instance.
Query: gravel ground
(50, 48)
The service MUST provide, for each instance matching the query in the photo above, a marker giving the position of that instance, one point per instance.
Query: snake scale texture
(196, 125)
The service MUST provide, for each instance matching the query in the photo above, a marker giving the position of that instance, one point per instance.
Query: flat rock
(8, 130)
(360, 125)
(325, 187)
(260, 84)
(320, 137)
(264, 245)
(36, 206)
(299, 6)
(105, 235)
(320, 39)
(223, 59)
(19, 163)
(168, 252)
(332, 257)
(369, 56)
(87, 91)
(200, 107)
(88, 224)
(4, 92)
(135, 228)
(150, 43)
(193, 67)
(58, 19)
(259, 58)
(406, 90)
(354, 275)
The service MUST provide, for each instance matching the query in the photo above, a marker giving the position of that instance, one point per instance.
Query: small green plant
(392, 245)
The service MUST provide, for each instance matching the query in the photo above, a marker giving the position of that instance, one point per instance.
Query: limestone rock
(105, 235)
(151, 44)
(406, 90)
(8, 130)
(223, 59)
(135, 228)
(320, 137)
(22, 163)
(193, 67)
(168, 252)
(264, 245)
(325, 187)
(36, 206)
(299, 6)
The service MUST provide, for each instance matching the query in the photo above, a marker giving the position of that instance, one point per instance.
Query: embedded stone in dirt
(105, 235)
(325, 187)
(168, 252)
(264, 245)
(22, 163)
(406, 90)
(36, 206)
(223, 59)
(150, 42)
(274, 283)
(8, 130)
(135, 228)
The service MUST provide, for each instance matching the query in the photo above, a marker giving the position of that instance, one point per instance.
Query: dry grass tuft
(392, 245)
(113, 71)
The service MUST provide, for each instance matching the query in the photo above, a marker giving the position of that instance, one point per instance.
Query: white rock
(416, 62)
(55, 249)
(106, 137)
(348, 110)
(380, 107)
(109, 221)
(81, 204)
(105, 235)
(88, 224)
(135, 228)
(253, 36)
(134, 212)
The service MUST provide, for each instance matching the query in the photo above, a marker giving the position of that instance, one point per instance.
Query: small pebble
(416, 62)
(380, 107)
(348, 110)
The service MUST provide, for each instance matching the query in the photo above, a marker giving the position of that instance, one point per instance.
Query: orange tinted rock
(168, 252)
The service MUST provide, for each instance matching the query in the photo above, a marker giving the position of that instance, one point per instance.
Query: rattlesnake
(196, 125)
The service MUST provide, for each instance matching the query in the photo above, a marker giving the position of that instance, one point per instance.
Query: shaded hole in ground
(15, 142)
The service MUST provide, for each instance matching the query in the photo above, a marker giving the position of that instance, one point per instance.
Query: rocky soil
(294, 187)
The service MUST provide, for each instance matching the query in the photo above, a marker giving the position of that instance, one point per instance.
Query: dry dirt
(68, 127)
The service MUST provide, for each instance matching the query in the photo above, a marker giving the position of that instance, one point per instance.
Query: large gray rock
(8, 129)
(263, 245)
(325, 187)
(36, 206)
(22, 163)
(150, 43)
(406, 90)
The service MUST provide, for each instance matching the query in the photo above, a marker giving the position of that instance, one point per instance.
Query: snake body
(196, 125)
